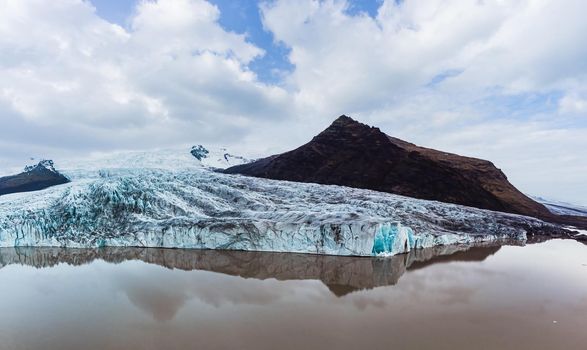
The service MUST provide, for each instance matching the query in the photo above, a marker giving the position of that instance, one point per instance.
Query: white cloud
(503, 80)
(174, 27)
(359, 62)
(174, 76)
(573, 104)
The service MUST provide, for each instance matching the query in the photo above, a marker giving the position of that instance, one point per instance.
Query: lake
(490, 297)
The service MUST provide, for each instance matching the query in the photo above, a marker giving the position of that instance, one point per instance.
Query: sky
(500, 80)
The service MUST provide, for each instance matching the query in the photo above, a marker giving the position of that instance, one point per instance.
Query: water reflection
(342, 275)
(452, 298)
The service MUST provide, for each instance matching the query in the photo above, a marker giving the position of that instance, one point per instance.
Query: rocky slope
(33, 178)
(353, 154)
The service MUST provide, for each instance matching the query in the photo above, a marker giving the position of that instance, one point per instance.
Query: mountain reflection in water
(341, 274)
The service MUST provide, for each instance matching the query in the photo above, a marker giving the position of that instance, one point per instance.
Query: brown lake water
(509, 297)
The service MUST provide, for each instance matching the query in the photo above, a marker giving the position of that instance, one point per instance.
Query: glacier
(170, 199)
(562, 208)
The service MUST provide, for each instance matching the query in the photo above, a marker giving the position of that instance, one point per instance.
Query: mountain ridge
(350, 153)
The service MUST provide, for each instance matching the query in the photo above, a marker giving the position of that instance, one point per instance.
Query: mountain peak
(43, 165)
(354, 128)
(344, 119)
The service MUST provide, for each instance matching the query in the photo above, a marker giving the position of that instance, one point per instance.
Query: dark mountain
(353, 154)
(34, 178)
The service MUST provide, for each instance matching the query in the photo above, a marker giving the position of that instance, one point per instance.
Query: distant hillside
(33, 178)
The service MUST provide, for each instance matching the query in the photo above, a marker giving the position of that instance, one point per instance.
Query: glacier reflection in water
(449, 297)
(340, 274)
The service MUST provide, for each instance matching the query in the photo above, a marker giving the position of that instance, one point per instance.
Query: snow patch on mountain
(219, 158)
(43, 164)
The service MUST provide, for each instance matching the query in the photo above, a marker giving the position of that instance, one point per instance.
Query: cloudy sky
(504, 80)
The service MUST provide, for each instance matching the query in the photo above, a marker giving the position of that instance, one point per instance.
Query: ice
(562, 208)
(145, 200)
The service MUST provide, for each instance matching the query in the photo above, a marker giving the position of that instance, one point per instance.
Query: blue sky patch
(245, 17)
(114, 11)
(439, 78)
(519, 106)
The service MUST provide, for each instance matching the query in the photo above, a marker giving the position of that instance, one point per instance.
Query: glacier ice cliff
(190, 206)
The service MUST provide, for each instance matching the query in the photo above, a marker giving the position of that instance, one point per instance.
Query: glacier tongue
(194, 207)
